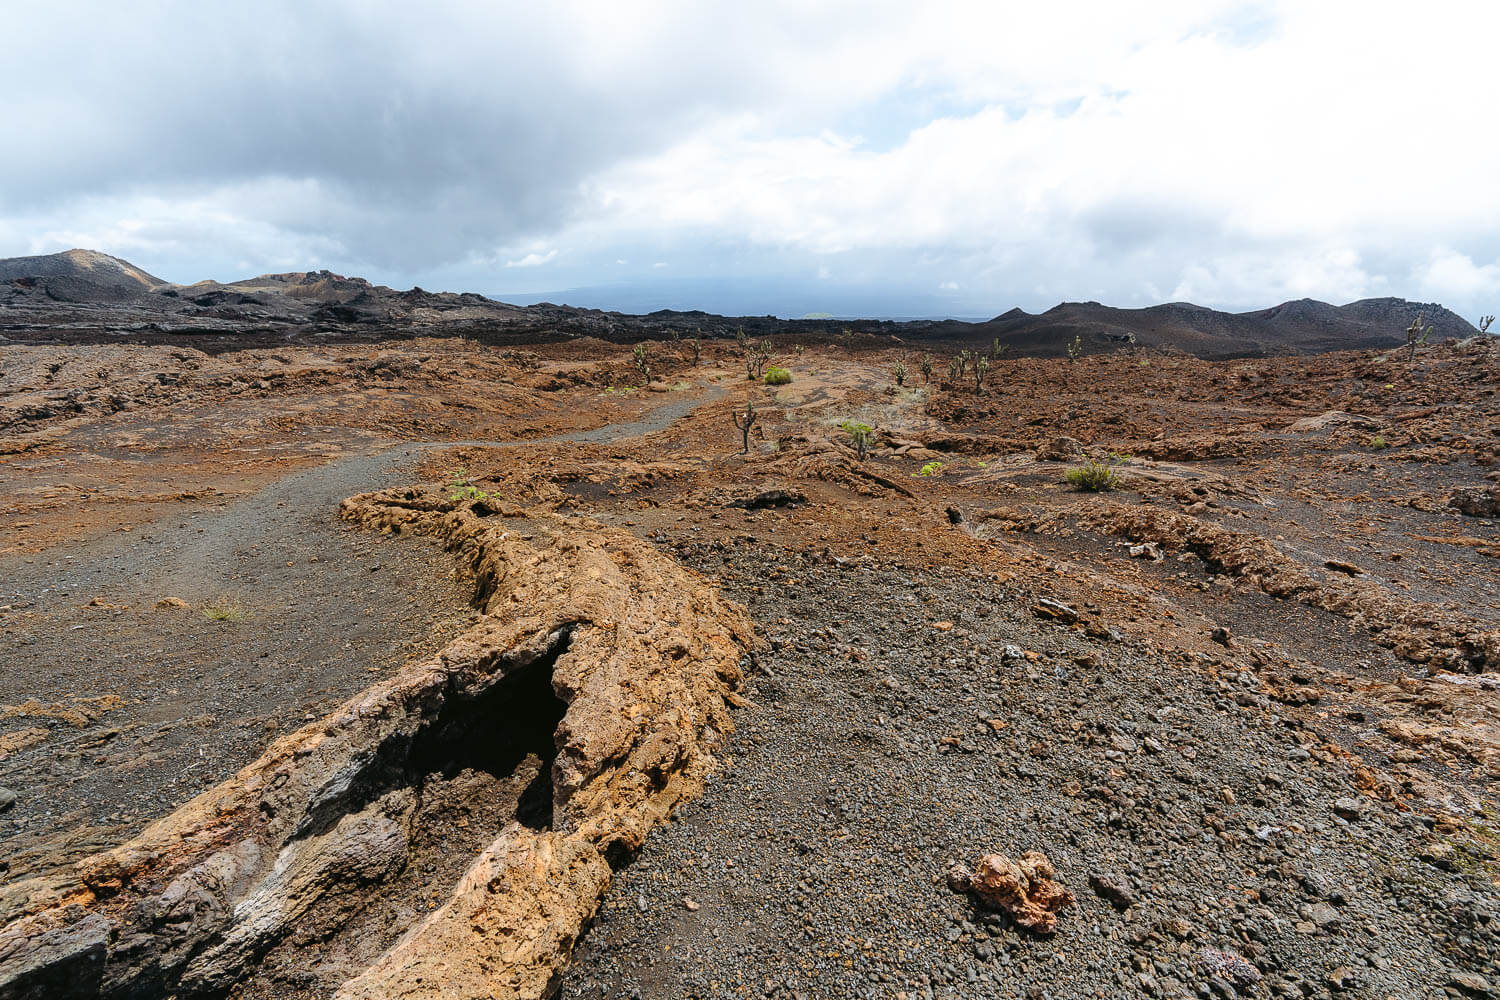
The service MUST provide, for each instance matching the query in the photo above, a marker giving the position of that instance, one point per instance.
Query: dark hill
(83, 290)
(1303, 326)
(80, 276)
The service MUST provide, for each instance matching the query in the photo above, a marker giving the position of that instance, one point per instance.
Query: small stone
(1341, 978)
(1438, 853)
(1056, 610)
(1324, 915)
(1473, 982)
(1349, 808)
(170, 602)
(690, 906)
(1234, 969)
(7, 798)
(1178, 928)
(1115, 889)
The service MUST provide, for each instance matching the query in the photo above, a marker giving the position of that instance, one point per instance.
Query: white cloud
(532, 259)
(1451, 275)
(1234, 152)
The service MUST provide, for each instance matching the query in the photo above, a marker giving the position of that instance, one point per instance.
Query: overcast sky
(857, 158)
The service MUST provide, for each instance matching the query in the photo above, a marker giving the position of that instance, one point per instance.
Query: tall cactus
(1416, 335)
(744, 424)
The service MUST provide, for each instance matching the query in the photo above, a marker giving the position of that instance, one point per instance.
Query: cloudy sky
(852, 157)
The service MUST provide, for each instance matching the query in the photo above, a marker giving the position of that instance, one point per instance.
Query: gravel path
(119, 711)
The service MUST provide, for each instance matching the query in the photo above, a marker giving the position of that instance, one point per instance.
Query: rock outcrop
(586, 703)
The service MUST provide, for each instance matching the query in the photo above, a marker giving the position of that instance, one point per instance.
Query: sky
(858, 158)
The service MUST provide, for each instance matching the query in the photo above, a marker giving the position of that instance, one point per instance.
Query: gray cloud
(961, 154)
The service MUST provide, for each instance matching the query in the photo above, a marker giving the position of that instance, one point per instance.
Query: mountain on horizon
(88, 278)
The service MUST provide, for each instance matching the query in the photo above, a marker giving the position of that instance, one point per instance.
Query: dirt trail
(129, 710)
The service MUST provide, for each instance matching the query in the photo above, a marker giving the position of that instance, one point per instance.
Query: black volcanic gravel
(814, 866)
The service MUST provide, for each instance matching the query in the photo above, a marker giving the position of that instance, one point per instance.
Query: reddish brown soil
(1361, 602)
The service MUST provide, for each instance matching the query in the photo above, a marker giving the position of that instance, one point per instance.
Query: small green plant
(777, 376)
(743, 424)
(1095, 476)
(899, 373)
(1378, 442)
(861, 435)
(225, 609)
(1416, 335)
(461, 488)
(930, 469)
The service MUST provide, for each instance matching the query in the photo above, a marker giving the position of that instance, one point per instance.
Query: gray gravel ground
(814, 866)
(187, 701)
(325, 608)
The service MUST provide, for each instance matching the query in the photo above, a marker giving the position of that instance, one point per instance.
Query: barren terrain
(421, 666)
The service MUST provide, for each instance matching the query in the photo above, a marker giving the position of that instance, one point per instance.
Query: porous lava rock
(642, 658)
(1025, 888)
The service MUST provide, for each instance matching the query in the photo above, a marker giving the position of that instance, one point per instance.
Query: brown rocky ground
(1243, 702)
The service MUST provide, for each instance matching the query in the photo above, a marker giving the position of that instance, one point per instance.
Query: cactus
(1484, 323)
(697, 347)
(862, 436)
(926, 368)
(744, 425)
(1416, 335)
(762, 355)
(642, 361)
(899, 373)
(981, 366)
(955, 369)
(1075, 349)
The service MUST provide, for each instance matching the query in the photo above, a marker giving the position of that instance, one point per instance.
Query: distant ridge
(324, 302)
(81, 276)
(1299, 326)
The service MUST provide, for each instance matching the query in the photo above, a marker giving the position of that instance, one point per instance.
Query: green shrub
(1378, 442)
(461, 488)
(1094, 476)
(225, 609)
(930, 469)
(777, 376)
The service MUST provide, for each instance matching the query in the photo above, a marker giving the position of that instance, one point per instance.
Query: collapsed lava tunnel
(444, 833)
